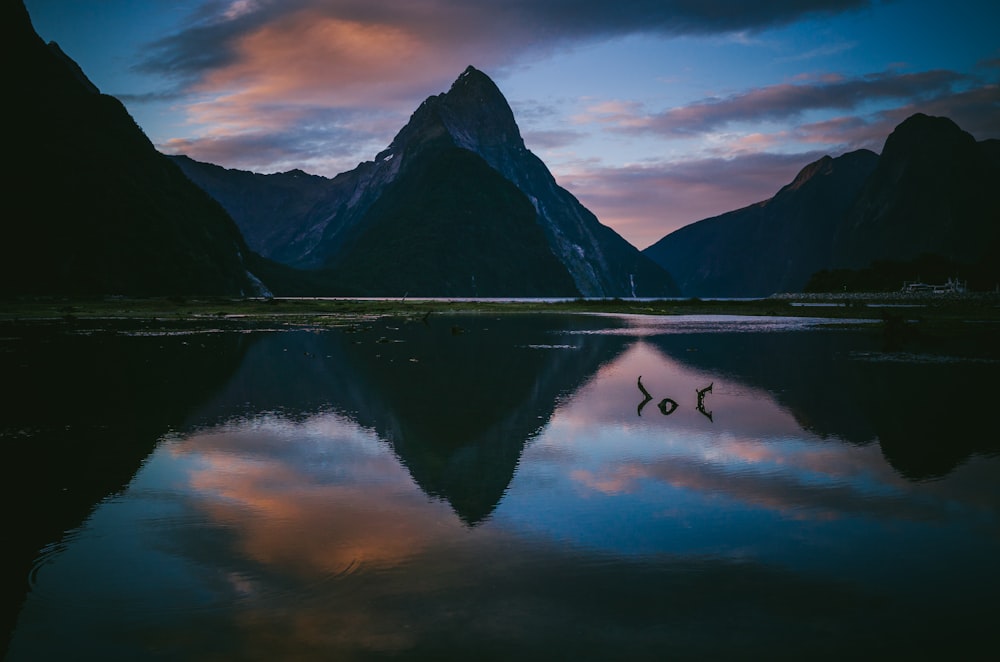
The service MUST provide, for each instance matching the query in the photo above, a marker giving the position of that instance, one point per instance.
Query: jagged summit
(473, 81)
(473, 114)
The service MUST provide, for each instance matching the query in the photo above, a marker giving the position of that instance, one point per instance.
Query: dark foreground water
(501, 488)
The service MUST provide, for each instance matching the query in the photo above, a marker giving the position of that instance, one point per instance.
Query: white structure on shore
(951, 286)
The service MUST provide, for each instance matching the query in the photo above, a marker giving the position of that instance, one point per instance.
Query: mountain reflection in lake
(477, 487)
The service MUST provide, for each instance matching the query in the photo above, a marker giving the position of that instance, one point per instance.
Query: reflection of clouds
(623, 479)
(754, 452)
(312, 505)
(808, 487)
(631, 531)
(610, 400)
(335, 549)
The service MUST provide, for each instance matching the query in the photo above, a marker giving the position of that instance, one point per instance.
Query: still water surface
(475, 487)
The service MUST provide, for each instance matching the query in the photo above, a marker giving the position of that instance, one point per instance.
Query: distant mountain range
(456, 205)
(933, 191)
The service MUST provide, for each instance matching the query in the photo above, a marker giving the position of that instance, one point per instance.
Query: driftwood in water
(663, 406)
(667, 406)
(646, 396)
(701, 400)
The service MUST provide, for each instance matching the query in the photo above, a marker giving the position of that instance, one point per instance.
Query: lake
(501, 487)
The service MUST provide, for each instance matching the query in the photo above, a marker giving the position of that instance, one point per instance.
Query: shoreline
(293, 311)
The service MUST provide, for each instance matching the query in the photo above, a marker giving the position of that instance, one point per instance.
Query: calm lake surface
(483, 487)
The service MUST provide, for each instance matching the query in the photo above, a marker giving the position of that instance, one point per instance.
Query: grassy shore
(223, 312)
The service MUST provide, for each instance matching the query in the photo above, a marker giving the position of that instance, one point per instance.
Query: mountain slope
(257, 199)
(94, 208)
(932, 191)
(474, 116)
(477, 117)
(452, 227)
(771, 246)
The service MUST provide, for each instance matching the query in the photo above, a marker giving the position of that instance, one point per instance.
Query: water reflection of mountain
(84, 413)
(456, 397)
(927, 415)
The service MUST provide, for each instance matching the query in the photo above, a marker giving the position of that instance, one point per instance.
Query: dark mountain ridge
(95, 209)
(326, 230)
(771, 246)
(932, 191)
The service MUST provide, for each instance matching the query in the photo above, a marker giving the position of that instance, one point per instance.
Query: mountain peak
(473, 79)
(921, 133)
(473, 113)
(860, 159)
(814, 169)
(476, 113)
(470, 71)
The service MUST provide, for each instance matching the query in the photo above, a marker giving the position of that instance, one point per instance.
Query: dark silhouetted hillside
(929, 199)
(772, 246)
(93, 208)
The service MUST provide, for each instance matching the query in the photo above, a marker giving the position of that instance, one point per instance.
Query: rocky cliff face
(93, 207)
(477, 117)
(932, 191)
(472, 116)
(449, 225)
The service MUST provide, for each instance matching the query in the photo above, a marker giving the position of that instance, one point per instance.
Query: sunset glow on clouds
(653, 114)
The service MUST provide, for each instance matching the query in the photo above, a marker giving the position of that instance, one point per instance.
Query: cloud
(348, 72)
(319, 140)
(679, 192)
(215, 32)
(821, 51)
(551, 139)
(975, 110)
(782, 102)
(739, 169)
(790, 494)
(343, 53)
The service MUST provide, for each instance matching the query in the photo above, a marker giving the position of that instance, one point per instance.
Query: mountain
(93, 208)
(931, 191)
(346, 228)
(452, 226)
(934, 191)
(771, 246)
(256, 200)
(457, 410)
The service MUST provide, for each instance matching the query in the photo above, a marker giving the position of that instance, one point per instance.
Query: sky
(653, 113)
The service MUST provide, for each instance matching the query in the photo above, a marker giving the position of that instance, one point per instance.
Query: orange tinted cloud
(308, 58)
